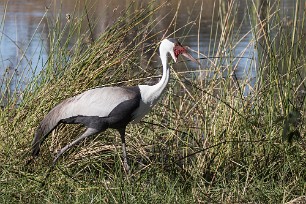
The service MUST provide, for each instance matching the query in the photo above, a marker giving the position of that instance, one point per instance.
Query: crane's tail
(45, 127)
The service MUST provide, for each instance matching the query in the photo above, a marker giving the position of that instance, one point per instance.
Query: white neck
(150, 94)
(161, 85)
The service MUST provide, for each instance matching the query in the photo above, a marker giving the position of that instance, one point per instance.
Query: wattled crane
(108, 107)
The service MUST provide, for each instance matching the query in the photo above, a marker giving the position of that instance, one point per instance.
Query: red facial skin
(180, 50)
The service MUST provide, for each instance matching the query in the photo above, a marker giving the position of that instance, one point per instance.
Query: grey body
(108, 107)
(97, 109)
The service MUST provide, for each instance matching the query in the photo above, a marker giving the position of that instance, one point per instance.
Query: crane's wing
(95, 103)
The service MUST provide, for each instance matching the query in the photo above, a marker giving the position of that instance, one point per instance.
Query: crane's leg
(87, 133)
(125, 163)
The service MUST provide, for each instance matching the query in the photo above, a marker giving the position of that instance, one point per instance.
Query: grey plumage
(108, 107)
(97, 109)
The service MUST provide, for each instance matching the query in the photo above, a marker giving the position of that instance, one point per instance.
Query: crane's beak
(188, 56)
(180, 50)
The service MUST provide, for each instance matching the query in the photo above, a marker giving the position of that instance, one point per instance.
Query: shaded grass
(203, 143)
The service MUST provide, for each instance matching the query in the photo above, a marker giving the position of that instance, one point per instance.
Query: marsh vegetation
(214, 137)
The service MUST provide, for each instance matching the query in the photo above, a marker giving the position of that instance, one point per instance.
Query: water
(24, 41)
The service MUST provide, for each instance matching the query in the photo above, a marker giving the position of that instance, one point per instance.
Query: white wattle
(151, 94)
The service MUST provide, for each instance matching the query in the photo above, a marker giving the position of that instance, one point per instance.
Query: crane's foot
(29, 161)
(126, 168)
(56, 158)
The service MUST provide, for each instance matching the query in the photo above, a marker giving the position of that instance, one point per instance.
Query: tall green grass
(205, 142)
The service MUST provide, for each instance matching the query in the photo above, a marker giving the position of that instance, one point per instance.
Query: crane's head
(174, 47)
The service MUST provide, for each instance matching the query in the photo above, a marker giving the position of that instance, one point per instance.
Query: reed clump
(207, 141)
